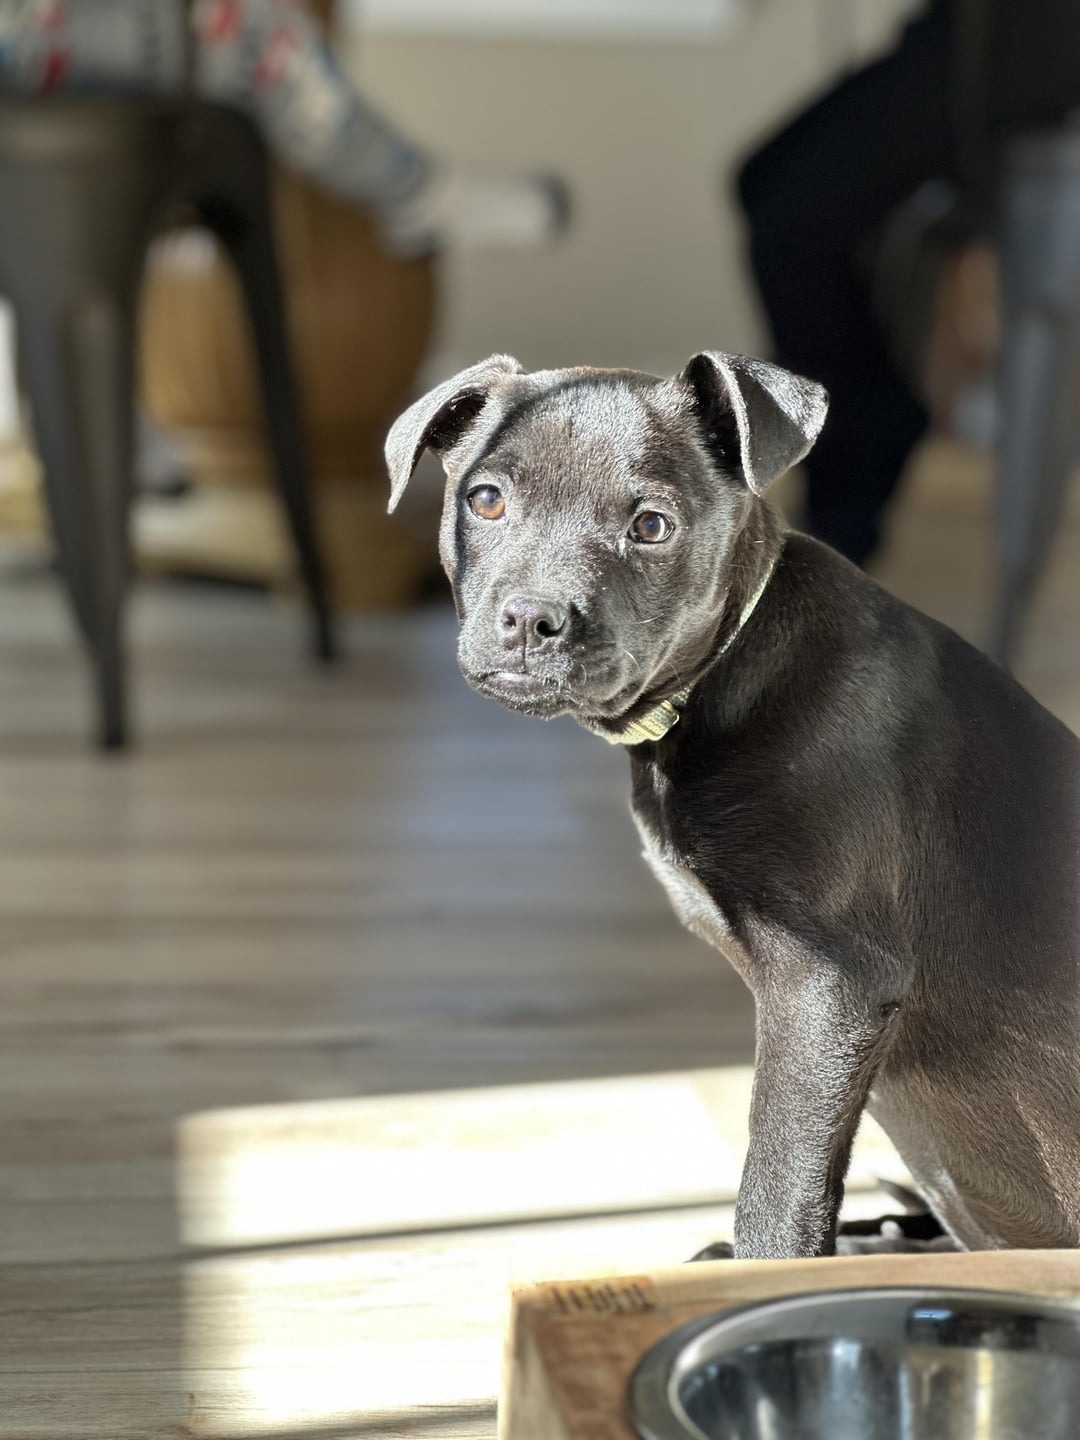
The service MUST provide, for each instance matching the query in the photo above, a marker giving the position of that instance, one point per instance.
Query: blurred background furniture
(1040, 368)
(984, 274)
(85, 183)
(360, 321)
(1016, 89)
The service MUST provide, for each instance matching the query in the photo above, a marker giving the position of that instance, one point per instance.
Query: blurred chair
(85, 183)
(1040, 370)
(1032, 215)
(1015, 92)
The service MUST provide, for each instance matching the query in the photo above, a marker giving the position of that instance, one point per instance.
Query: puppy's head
(591, 517)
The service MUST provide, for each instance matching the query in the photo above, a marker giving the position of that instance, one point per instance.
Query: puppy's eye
(650, 527)
(488, 502)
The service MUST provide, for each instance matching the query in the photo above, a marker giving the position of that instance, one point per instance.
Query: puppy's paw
(718, 1250)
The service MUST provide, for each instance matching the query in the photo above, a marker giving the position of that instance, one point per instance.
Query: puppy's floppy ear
(768, 417)
(441, 418)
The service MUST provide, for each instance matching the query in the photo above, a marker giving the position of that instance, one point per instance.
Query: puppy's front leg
(819, 1042)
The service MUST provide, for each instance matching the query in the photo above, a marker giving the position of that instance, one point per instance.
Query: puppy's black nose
(530, 621)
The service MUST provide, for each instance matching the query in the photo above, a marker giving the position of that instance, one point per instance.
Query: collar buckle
(653, 725)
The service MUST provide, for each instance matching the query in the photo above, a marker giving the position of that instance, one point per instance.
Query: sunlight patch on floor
(418, 1162)
(449, 1200)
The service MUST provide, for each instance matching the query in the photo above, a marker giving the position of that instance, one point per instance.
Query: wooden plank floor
(226, 960)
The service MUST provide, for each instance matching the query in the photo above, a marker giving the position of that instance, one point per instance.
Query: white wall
(644, 134)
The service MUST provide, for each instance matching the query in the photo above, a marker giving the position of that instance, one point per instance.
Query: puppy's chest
(691, 901)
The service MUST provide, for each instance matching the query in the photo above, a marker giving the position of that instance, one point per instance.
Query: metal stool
(1040, 375)
(84, 183)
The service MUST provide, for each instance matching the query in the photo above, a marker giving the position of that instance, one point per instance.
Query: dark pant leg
(815, 196)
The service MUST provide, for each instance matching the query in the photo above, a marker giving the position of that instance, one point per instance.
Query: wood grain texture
(304, 892)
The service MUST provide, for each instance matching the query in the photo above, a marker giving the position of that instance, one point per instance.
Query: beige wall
(643, 133)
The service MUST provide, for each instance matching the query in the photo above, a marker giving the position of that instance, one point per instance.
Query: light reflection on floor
(494, 1189)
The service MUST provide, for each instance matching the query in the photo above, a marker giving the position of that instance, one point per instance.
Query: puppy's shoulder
(832, 606)
(867, 624)
(812, 566)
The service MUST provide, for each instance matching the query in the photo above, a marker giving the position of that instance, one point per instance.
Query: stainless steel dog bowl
(886, 1364)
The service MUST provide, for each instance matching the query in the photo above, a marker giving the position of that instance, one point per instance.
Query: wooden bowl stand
(573, 1347)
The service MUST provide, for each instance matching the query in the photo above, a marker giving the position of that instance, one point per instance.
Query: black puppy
(874, 823)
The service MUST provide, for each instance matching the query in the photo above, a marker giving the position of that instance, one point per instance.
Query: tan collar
(656, 723)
